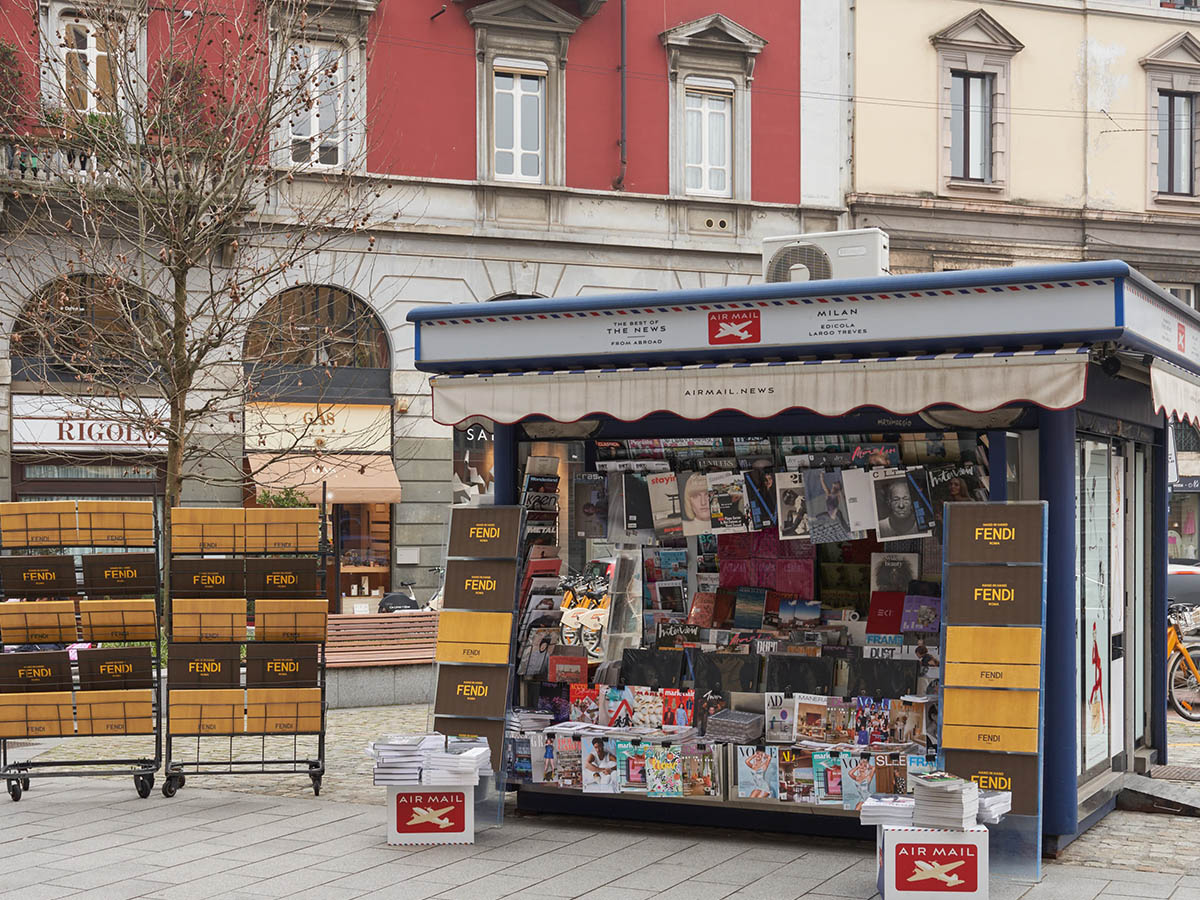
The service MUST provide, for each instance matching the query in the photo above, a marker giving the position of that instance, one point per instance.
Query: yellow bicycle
(1183, 675)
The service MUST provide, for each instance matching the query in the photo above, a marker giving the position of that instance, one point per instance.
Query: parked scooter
(405, 599)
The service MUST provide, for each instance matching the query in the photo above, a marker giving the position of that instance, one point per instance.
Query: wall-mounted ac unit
(861, 253)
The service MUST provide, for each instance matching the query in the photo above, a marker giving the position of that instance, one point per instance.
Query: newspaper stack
(993, 805)
(462, 744)
(399, 757)
(443, 767)
(887, 809)
(944, 801)
(734, 727)
(528, 720)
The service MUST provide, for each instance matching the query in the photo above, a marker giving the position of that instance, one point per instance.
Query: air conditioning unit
(861, 253)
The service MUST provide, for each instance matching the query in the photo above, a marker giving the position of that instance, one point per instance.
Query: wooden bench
(386, 639)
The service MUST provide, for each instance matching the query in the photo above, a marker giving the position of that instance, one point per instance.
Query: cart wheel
(316, 780)
(24, 784)
(181, 780)
(169, 786)
(14, 789)
(144, 785)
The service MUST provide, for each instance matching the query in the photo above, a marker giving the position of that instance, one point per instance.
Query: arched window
(317, 326)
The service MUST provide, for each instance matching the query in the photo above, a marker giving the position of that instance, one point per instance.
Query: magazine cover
(617, 711)
(894, 571)
(902, 504)
(796, 775)
(667, 595)
(568, 761)
(541, 758)
(828, 519)
(716, 674)
(700, 772)
(891, 774)
(638, 514)
(585, 703)
(954, 483)
(591, 506)
(918, 764)
(872, 720)
(780, 710)
(727, 502)
(664, 775)
(599, 764)
(665, 505)
(796, 613)
(678, 706)
(749, 608)
(762, 497)
(858, 779)
(701, 613)
(839, 721)
(921, 614)
(885, 613)
(791, 506)
(757, 772)
(693, 503)
(827, 777)
(647, 707)
(631, 767)
(907, 721)
(860, 501)
(554, 698)
(812, 714)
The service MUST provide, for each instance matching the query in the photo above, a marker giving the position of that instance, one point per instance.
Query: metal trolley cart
(111, 599)
(246, 650)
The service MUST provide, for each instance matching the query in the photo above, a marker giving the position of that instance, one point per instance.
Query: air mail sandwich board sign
(923, 863)
(423, 814)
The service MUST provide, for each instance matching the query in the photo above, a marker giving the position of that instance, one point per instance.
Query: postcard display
(474, 639)
(770, 637)
(231, 565)
(111, 617)
(993, 623)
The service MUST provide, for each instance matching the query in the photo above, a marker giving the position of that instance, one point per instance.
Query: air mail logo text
(740, 327)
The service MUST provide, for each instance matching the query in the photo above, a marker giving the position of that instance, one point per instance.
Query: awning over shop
(1176, 391)
(977, 382)
(349, 477)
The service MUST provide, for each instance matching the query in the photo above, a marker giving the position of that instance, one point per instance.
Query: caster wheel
(144, 785)
(316, 781)
(14, 789)
(24, 784)
(169, 787)
(181, 780)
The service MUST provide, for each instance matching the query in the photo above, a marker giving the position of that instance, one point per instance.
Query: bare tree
(190, 159)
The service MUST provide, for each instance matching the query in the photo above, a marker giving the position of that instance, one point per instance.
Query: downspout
(619, 182)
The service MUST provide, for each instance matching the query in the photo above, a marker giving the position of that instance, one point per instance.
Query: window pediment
(536, 15)
(977, 31)
(713, 36)
(1180, 52)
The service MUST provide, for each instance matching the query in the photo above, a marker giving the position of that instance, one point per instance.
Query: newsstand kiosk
(1049, 383)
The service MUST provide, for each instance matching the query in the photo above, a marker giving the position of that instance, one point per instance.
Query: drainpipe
(619, 182)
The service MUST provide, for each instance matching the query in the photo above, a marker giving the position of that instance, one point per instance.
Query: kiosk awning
(977, 382)
(1176, 391)
(348, 477)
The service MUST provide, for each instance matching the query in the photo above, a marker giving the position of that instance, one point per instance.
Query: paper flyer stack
(399, 758)
(944, 801)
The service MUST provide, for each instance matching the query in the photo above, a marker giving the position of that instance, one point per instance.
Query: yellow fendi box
(202, 619)
(116, 523)
(203, 529)
(206, 712)
(290, 620)
(117, 620)
(477, 637)
(282, 530)
(988, 737)
(283, 710)
(115, 712)
(45, 523)
(974, 643)
(36, 715)
(992, 675)
(1007, 709)
(38, 622)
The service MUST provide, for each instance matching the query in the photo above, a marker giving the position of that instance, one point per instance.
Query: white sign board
(921, 863)
(325, 427)
(103, 424)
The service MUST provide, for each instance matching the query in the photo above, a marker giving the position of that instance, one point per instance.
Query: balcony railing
(48, 160)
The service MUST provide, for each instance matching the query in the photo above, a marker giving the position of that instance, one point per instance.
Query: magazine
(693, 494)
(678, 706)
(727, 503)
(638, 514)
(664, 775)
(907, 721)
(780, 712)
(667, 595)
(918, 764)
(631, 767)
(791, 506)
(757, 772)
(891, 773)
(954, 483)
(860, 501)
(568, 761)
(647, 707)
(885, 613)
(701, 613)
(796, 775)
(903, 508)
(762, 498)
(872, 720)
(591, 506)
(664, 504)
(922, 615)
(617, 711)
(585, 703)
(700, 769)
(827, 777)
(599, 764)
(894, 571)
(828, 518)
(796, 613)
(858, 779)
(749, 608)
(812, 713)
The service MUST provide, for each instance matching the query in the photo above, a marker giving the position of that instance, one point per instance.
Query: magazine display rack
(104, 691)
(246, 584)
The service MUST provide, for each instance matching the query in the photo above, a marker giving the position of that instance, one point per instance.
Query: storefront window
(1183, 542)
(1095, 576)
(363, 535)
(318, 326)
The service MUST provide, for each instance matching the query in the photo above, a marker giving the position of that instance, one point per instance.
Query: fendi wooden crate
(45, 523)
(290, 620)
(115, 523)
(36, 715)
(282, 530)
(206, 712)
(38, 622)
(202, 619)
(117, 620)
(203, 529)
(115, 712)
(283, 710)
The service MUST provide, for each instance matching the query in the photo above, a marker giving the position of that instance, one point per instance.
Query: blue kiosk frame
(1126, 359)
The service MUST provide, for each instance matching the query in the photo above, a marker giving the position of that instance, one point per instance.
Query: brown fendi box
(43, 523)
(473, 691)
(281, 665)
(473, 637)
(120, 574)
(282, 530)
(488, 532)
(290, 620)
(492, 731)
(38, 622)
(115, 712)
(205, 619)
(128, 619)
(206, 712)
(36, 715)
(208, 578)
(283, 710)
(203, 666)
(994, 532)
(282, 578)
(483, 585)
(115, 668)
(37, 576)
(42, 670)
(1000, 772)
(116, 523)
(994, 595)
(218, 529)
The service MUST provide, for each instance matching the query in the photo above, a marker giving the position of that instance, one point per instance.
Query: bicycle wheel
(1183, 687)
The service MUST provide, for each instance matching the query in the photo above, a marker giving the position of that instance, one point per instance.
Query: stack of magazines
(993, 805)
(944, 801)
(734, 727)
(399, 757)
(443, 767)
(887, 809)
(528, 720)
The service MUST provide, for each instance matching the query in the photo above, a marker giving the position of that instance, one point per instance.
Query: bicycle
(1183, 673)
